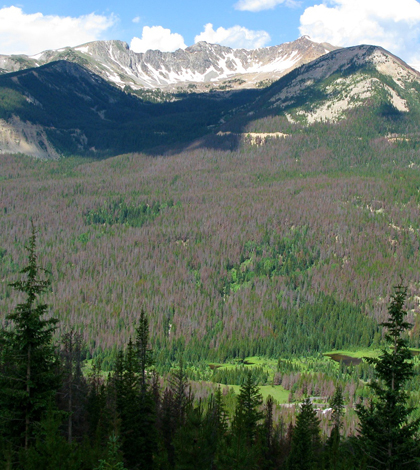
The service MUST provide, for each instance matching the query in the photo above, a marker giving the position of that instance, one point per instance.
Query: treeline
(52, 416)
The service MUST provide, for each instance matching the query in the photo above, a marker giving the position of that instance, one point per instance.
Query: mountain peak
(200, 64)
(342, 80)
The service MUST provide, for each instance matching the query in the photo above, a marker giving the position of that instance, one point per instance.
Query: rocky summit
(73, 106)
(200, 66)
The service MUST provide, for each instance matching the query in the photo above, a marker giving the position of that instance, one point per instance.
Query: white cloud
(235, 37)
(136, 19)
(22, 33)
(258, 5)
(394, 25)
(157, 38)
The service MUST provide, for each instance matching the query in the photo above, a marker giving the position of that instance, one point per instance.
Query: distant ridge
(201, 65)
(64, 108)
(326, 88)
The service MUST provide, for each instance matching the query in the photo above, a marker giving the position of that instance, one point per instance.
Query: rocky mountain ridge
(199, 66)
(327, 88)
(63, 108)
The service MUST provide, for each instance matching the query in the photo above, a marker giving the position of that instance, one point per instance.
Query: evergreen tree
(28, 364)
(269, 437)
(306, 442)
(144, 351)
(50, 450)
(216, 421)
(248, 414)
(135, 400)
(99, 415)
(73, 391)
(113, 459)
(387, 434)
(128, 404)
(166, 428)
(337, 405)
(181, 394)
(199, 442)
(192, 443)
(334, 460)
(245, 446)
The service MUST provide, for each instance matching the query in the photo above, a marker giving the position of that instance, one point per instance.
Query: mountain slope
(199, 64)
(64, 108)
(329, 87)
(75, 108)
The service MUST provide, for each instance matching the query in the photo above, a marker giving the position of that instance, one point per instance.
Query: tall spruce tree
(144, 351)
(135, 400)
(74, 388)
(192, 442)
(334, 459)
(28, 364)
(306, 441)
(387, 432)
(245, 446)
(248, 416)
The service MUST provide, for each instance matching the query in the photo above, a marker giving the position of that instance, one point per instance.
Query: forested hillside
(234, 253)
(252, 250)
(52, 415)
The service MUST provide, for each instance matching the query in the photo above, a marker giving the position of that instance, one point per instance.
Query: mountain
(351, 84)
(267, 232)
(201, 65)
(344, 79)
(63, 108)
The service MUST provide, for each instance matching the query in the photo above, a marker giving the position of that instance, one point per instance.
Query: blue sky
(33, 26)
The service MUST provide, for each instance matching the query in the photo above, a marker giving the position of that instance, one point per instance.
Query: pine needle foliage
(113, 460)
(306, 440)
(387, 434)
(28, 364)
(248, 415)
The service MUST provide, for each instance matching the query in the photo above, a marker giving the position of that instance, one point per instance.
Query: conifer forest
(228, 305)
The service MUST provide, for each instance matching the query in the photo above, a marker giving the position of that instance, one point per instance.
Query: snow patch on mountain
(201, 63)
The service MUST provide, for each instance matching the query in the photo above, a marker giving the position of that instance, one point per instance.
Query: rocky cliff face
(17, 136)
(200, 65)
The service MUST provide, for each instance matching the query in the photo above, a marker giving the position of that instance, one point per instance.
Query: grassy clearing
(279, 394)
(269, 365)
(251, 362)
(360, 353)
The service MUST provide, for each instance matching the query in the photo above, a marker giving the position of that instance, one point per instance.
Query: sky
(30, 27)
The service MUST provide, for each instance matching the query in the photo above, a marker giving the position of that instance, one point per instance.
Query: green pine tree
(50, 450)
(306, 442)
(192, 443)
(387, 432)
(144, 351)
(334, 460)
(244, 447)
(113, 459)
(135, 400)
(248, 415)
(28, 364)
